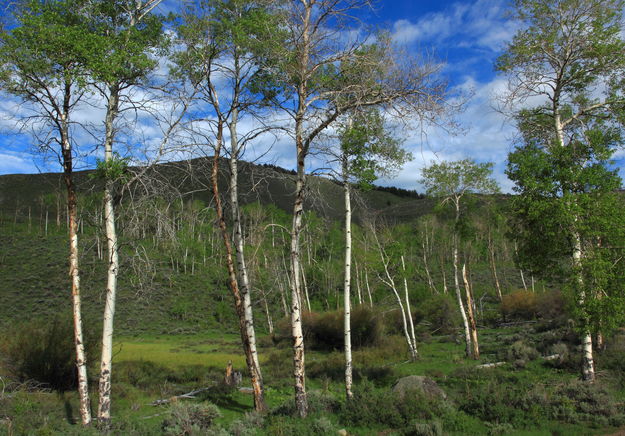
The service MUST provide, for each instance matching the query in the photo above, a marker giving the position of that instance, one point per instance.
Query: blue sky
(467, 35)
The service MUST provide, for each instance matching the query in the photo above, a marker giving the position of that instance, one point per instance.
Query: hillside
(190, 180)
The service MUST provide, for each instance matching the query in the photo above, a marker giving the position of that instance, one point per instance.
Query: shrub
(416, 413)
(519, 350)
(552, 305)
(324, 331)
(442, 314)
(318, 402)
(519, 305)
(142, 374)
(503, 398)
(190, 419)
(612, 358)
(579, 401)
(280, 425)
(248, 425)
(44, 351)
(563, 359)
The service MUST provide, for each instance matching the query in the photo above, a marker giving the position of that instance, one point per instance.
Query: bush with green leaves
(325, 331)
(519, 305)
(43, 351)
(415, 413)
(190, 419)
(441, 313)
(497, 396)
(519, 350)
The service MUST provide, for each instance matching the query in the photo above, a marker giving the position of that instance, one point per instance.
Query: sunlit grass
(210, 350)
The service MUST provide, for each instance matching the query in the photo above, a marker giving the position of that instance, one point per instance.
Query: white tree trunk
(104, 403)
(475, 348)
(588, 365)
(240, 257)
(368, 287)
(493, 266)
(408, 310)
(391, 284)
(465, 322)
(347, 284)
(81, 360)
(299, 371)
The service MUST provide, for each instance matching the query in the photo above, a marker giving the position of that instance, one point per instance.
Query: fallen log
(188, 395)
(490, 365)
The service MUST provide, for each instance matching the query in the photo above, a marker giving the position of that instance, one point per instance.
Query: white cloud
(17, 163)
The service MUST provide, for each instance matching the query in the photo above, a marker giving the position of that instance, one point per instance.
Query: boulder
(420, 383)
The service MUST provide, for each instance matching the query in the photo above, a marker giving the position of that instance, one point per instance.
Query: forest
(175, 279)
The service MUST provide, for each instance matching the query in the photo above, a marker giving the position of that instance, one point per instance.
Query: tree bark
(74, 272)
(259, 401)
(588, 365)
(408, 310)
(391, 284)
(347, 284)
(299, 371)
(104, 403)
(475, 348)
(493, 266)
(465, 322)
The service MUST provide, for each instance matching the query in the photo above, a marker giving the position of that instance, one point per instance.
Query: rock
(418, 383)
(342, 432)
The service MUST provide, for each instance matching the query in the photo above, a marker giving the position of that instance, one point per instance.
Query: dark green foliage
(190, 419)
(519, 350)
(519, 305)
(415, 413)
(325, 331)
(441, 313)
(312, 426)
(611, 358)
(499, 397)
(552, 306)
(151, 376)
(333, 367)
(318, 402)
(43, 351)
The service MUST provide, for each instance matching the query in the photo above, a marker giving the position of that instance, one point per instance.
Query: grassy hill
(191, 180)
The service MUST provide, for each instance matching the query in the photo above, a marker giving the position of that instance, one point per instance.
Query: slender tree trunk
(259, 401)
(232, 275)
(81, 360)
(475, 353)
(493, 266)
(347, 285)
(391, 284)
(104, 404)
(426, 246)
(588, 365)
(305, 286)
(408, 310)
(516, 252)
(465, 322)
(299, 371)
(368, 287)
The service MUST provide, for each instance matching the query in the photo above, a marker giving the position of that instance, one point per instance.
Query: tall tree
(42, 59)
(222, 41)
(452, 182)
(569, 54)
(319, 74)
(127, 35)
(367, 151)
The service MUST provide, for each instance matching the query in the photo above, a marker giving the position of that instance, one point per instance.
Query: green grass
(177, 351)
